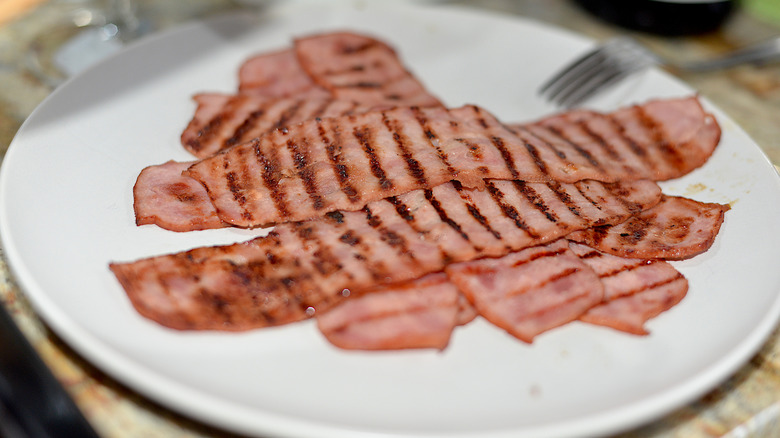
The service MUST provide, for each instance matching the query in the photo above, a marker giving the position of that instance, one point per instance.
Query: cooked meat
(398, 219)
(415, 314)
(675, 229)
(657, 140)
(222, 120)
(169, 200)
(360, 68)
(531, 291)
(342, 163)
(274, 74)
(466, 311)
(356, 74)
(311, 166)
(635, 290)
(303, 267)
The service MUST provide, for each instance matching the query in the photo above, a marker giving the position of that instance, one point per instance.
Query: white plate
(65, 212)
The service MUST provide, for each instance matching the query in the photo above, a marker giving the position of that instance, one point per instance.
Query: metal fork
(618, 58)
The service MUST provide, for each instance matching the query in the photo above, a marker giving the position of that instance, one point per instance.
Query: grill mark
(621, 194)
(480, 117)
(536, 200)
(363, 135)
(474, 211)
(445, 218)
(580, 150)
(599, 232)
(639, 150)
(364, 85)
(271, 177)
(305, 172)
(395, 241)
(246, 175)
(432, 139)
(351, 50)
(216, 303)
(243, 128)
(323, 261)
(336, 216)
(540, 164)
(238, 195)
(539, 255)
(506, 155)
(509, 210)
(235, 189)
(413, 166)
(628, 268)
(340, 168)
(210, 129)
(498, 143)
(551, 279)
(288, 114)
(565, 198)
(593, 254)
(670, 153)
(519, 130)
(636, 230)
(584, 194)
(606, 147)
(406, 214)
(664, 282)
(402, 209)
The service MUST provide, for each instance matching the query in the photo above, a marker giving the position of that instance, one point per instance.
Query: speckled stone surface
(746, 405)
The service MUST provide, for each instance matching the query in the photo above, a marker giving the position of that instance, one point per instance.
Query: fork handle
(762, 52)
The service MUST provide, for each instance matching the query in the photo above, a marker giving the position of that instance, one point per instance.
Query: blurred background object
(77, 34)
(663, 17)
(10, 9)
(767, 10)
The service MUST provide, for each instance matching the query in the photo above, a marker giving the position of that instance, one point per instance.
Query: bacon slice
(531, 291)
(360, 68)
(659, 140)
(276, 91)
(635, 290)
(416, 314)
(169, 200)
(302, 267)
(223, 120)
(343, 163)
(274, 74)
(677, 228)
(539, 156)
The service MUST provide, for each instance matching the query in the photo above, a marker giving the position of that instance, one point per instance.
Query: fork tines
(596, 70)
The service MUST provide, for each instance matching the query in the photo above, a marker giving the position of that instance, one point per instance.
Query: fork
(620, 57)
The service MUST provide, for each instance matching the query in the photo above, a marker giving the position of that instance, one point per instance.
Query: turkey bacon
(342, 163)
(323, 75)
(677, 228)
(301, 268)
(635, 290)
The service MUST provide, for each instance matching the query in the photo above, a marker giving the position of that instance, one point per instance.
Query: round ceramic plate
(66, 212)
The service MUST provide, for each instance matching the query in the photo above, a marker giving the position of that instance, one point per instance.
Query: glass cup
(71, 35)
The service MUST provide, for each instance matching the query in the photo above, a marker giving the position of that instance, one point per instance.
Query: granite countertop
(747, 404)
